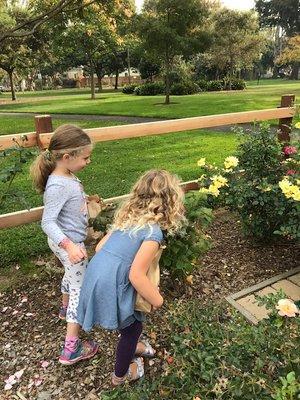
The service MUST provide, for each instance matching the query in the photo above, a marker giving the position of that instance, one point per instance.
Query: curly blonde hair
(155, 198)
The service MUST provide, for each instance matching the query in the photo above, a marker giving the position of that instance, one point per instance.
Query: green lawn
(111, 103)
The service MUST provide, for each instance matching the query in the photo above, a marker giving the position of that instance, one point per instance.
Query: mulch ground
(31, 334)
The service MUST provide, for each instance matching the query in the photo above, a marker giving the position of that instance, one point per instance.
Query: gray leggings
(72, 280)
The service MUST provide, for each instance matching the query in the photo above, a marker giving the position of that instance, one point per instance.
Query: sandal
(149, 351)
(130, 377)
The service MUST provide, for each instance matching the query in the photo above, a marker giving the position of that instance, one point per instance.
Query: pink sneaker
(84, 351)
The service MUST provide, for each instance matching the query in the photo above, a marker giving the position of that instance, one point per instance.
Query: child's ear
(66, 157)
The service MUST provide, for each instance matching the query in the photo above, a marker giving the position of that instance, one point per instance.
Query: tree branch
(41, 19)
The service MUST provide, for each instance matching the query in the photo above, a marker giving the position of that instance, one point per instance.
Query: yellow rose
(287, 308)
(297, 125)
(219, 181)
(231, 162)
(201, 162)
(214, 190)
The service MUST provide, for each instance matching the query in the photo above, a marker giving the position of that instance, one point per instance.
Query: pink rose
(291, 172)
(289, 150)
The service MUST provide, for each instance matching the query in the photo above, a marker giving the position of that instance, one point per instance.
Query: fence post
(285, 124)
(43, 124)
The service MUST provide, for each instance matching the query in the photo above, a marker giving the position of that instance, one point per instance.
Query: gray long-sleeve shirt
(65, 210)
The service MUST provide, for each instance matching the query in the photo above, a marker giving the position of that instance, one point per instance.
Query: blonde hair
(155, 198)
(66, 139)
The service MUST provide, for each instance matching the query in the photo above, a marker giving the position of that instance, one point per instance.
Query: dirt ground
(31, 334)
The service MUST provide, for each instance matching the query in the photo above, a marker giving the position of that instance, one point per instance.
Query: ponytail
(40, 170)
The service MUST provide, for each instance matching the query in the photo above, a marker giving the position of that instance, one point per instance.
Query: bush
(264, 190)
(69, 83)
(213, 353)
(190, 243)
(185, 88)
(234, 84)
(150, 89)
(214, 86)
(184, 248)
(203, 84)
(129, 89)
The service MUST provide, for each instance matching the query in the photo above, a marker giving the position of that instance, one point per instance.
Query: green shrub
(129, 89)
(184, 248)
(14, 160)
(214, 86)
(234, 84)
(184, 88)
(264, 190)
(150, 89)
(203, 84)
(69, 83)
(217, 354)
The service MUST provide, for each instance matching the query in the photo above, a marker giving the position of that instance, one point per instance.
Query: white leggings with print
(72, 279)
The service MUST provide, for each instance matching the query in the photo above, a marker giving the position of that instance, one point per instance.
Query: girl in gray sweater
(65, 221)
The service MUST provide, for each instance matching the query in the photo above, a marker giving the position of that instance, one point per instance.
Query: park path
(246, 302)
(89, 117)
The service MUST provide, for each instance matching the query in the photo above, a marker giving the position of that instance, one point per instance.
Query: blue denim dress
(107, 297)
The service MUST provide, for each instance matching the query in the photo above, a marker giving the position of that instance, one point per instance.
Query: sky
(236, 4)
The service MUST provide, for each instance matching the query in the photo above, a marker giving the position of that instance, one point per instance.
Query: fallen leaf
(44, 364)
(189, 279)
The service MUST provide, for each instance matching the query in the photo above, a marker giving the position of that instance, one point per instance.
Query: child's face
(75, 164)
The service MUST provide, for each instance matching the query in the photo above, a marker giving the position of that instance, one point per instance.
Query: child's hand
(158, 304)
(75, 253)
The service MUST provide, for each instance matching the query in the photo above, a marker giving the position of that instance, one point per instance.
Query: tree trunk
(129, 68)
(117, 79)
(92, 82)
(275, 72)
(295, 71)
(168, 68)
(12, 88)
(99, 82)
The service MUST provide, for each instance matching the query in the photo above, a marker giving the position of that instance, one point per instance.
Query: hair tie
(47, 154)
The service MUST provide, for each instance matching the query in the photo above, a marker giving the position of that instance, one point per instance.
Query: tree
(172, 27)
(14, 52)
(291, 53)
(87, 40)
(148, 69)
(282, 13)
(237, 42)
(41, 15)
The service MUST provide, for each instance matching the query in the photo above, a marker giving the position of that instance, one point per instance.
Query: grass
(10, 125)
(111, 103)
(114, 168)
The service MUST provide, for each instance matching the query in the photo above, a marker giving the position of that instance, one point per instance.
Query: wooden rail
(23, 217)
(157, 128)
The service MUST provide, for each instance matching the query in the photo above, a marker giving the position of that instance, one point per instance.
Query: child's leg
(65, 300)
(126, 347)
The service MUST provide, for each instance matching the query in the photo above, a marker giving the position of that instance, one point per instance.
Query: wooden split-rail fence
(44, 130)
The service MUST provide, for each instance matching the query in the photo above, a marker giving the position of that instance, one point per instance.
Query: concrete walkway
(245, 300)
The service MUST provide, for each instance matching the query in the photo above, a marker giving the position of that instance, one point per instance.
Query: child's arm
(102, 241)
(138, 273)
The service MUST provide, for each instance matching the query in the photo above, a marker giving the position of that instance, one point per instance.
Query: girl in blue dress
(119, 268)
